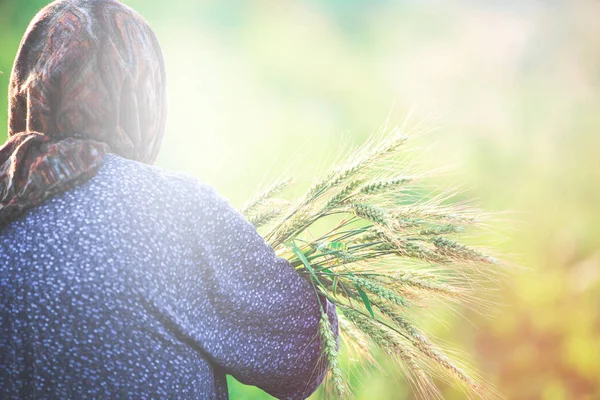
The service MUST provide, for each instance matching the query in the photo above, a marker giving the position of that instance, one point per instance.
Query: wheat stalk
(383, 256)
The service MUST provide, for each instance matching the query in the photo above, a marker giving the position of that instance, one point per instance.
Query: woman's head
(92, 68)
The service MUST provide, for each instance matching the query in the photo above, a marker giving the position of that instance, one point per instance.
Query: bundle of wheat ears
(385, 251)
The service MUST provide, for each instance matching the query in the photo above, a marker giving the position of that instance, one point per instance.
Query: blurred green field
(257, 86)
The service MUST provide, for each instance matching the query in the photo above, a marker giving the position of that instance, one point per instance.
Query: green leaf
(341, 246)
(333, 246)
(296, 250)
(365, 300)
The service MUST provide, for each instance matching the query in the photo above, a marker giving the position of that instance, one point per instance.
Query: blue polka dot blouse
(146, 284)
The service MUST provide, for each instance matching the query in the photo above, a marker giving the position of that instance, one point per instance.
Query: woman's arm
(263, 324)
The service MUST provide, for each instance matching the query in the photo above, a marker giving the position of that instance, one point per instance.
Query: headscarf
(88, 79)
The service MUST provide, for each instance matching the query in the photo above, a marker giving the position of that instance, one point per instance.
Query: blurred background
(255, 84)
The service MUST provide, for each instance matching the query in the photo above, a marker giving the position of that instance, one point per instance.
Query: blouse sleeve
(262, 323)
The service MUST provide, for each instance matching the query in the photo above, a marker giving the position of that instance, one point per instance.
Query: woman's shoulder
(151, 182)
(125, 198)
(123, 171)
(114, 163)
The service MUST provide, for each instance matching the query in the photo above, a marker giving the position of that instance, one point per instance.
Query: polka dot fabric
(142, 283)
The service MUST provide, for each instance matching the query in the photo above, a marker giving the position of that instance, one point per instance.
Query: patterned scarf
(88, 79)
